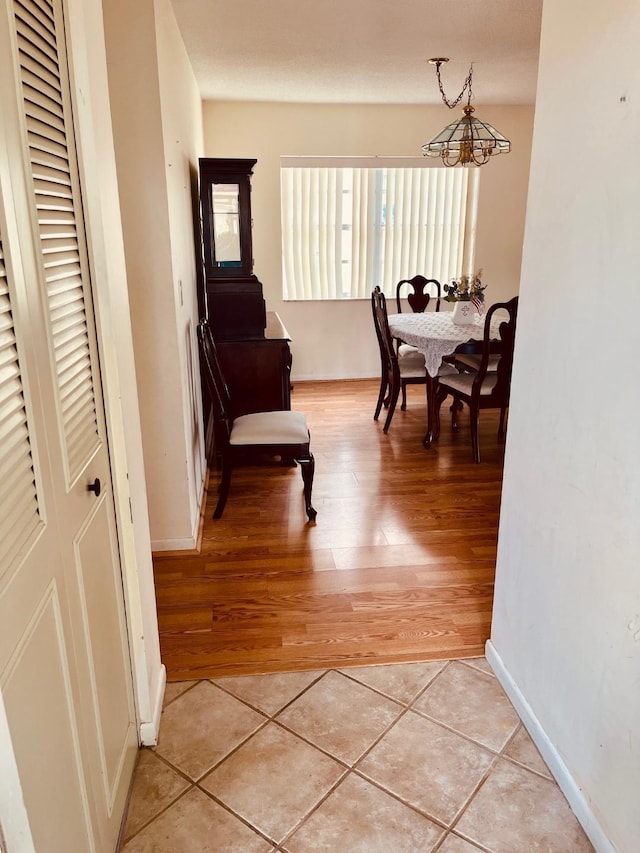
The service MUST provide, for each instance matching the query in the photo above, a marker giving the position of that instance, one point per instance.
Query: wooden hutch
(252, 343)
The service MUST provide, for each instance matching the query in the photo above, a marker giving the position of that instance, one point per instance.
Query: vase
(464, 313)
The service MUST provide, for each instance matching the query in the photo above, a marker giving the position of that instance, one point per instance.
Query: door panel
(103, 622)
(20, 517)
(70, 698)
(56, 191)
(40, 710)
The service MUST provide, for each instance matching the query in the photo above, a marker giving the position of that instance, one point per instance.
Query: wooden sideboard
(258, 370)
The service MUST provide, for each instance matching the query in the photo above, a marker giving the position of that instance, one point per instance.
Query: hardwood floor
(398, 567)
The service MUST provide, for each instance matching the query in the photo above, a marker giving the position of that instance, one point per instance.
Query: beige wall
(158, 135)
(336, 340)
(566, 622)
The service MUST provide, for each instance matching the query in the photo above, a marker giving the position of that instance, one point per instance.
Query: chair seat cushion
(411, 362)
(447, 370)
(473, 361)
(270, 428)
(407, 350)
(463, 381)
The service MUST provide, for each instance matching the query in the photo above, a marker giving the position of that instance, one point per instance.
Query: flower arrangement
(468, 288)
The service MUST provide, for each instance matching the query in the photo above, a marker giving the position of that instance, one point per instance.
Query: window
(349, 227)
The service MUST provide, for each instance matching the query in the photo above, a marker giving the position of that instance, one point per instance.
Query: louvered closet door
(64, 661)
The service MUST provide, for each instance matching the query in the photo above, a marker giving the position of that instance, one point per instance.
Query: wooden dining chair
(396, 370)
(419, 293)
(418, 296)
(281, 433)
(484, 388)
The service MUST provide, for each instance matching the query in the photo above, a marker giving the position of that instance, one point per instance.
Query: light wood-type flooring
(398, 567)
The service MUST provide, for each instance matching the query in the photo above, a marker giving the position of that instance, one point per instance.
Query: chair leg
(403, 405)
(381, 395)
(474, 416)
(501, 427)
(455, 408)
(431, 386)
(440, 396)
(393, 399)
(308, 467)
(223, 488)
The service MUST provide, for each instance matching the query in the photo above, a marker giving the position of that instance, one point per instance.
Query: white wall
(182, 138)
(566, 623)
(158, 135)
(336, 340)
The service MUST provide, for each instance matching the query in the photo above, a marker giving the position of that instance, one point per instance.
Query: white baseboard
(307, 377)
(149, 730)
(187, 544)
(556, 765)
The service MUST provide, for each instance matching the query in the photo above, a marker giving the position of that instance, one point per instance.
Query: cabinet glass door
(225, 207)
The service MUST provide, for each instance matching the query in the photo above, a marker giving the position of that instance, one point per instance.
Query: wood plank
(399, 566)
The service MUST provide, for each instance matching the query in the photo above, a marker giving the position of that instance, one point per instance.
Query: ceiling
(361, 51)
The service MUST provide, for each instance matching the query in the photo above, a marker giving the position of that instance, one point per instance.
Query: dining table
(435, 335)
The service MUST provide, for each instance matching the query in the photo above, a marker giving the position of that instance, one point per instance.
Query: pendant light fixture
(467, 141)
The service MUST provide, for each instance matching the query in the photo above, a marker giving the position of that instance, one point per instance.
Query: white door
(64, 663)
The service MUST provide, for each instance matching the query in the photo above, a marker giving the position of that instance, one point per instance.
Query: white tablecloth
(435, 334)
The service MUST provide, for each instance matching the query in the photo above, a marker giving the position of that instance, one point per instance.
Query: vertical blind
(346, 229)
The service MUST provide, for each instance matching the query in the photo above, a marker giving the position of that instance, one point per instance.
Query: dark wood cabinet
(258, 371)
(234, 298)
(252, 344)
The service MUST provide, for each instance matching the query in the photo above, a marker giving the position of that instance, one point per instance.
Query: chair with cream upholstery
(397, 370)
(484, 388)
(282, 433)
(420, 292)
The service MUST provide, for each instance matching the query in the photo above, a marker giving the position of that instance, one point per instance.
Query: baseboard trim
(149, 731)
(160, 546)
(182, 547)
(307, 377)
(556, 765)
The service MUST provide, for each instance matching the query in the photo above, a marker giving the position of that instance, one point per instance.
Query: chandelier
(467, 141)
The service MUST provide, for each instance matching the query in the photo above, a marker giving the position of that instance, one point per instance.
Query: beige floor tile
(195, 824)
(517, 811)
(454, 844)
(479, 663)
(273, 781)
(340, 716)
(360, 818)
(174, 689)
(524, 750)
(202, 726)
(400, 681)
(154, 787)
(268, 693)
(427, 766)
(472, 703)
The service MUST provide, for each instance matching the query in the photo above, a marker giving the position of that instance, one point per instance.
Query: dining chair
(281, 433)
(484, 388)
(417, 297)
(397, 370)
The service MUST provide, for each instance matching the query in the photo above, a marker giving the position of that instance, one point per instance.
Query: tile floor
(383, 759)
